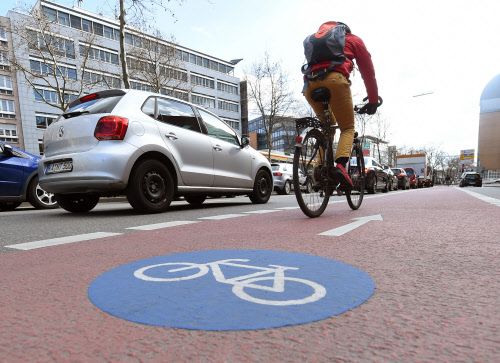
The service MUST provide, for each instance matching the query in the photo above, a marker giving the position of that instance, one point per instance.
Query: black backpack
(329, 47)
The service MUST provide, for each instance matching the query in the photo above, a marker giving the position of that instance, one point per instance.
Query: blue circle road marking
(230, 289)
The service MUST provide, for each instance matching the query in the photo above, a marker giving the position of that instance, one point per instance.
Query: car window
(177, 114)
(275, 167)
(99, 102)
(218, 129)
(409, 171)
(149, 107)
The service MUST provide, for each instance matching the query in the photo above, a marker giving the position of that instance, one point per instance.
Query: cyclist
(329, 66)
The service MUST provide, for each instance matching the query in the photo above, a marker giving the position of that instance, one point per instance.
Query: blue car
(19, 180)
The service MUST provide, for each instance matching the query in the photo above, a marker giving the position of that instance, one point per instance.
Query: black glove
(369, 108)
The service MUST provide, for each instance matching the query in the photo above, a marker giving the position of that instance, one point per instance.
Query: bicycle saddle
(321, 94)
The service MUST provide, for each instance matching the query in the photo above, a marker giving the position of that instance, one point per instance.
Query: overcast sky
(449, 48)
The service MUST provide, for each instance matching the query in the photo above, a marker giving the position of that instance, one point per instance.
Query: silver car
(149, 147)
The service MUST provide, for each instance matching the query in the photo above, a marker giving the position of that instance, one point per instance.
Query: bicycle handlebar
(357, 108)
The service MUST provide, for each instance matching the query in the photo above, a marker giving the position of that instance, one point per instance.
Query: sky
(447, 48)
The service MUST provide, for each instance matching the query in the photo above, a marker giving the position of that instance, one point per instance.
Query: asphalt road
(433, 255)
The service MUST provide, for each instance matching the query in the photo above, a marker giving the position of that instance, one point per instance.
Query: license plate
(59, 167)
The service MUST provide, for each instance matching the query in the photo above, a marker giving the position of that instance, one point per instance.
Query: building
(283, 137)
(202, 79)
(489, 130)
(10, 120)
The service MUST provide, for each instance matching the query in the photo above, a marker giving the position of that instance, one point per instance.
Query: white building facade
(203, 79)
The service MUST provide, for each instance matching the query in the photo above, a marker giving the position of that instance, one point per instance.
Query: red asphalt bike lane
(434, 259)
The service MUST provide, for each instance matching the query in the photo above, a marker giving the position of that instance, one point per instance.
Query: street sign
(230, 289)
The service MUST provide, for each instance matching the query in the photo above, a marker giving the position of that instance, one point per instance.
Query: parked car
(420, 181)
(283, 177)
(403, 180)
(471, 178)
(151, 148)
(412, 176)
(376, 177)
(393, 179)
(19, 180)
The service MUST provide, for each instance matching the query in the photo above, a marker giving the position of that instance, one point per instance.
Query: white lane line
(484, 198)
(224, 216)
(262, 211)
(150, 227)
(61, 240)
(287, 208)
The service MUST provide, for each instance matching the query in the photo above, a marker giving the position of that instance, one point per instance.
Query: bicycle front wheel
(356, 170)
(310, 180)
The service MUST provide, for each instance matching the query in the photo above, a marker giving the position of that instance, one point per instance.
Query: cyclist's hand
(369, 108)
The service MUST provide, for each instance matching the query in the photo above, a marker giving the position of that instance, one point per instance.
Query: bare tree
(136, 12)
(380, 132)
(156, 62)
(268, 90)
(51, 56)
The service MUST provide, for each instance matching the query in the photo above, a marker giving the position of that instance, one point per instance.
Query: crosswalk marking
(150, 227)
(61, 240)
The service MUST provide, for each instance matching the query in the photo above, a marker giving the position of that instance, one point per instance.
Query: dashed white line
(224, 216)
(151, 227)
(262, 211)
(287, 208)
(61, 240)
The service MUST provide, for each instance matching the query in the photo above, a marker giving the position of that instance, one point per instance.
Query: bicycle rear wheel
(309, 160)
(356, 170)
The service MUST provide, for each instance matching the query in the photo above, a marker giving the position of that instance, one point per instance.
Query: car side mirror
(244, 141)
(7, 150)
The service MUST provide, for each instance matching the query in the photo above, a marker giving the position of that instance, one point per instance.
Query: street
(419, 267)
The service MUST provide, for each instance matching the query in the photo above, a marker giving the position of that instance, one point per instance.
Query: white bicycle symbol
(273, 272)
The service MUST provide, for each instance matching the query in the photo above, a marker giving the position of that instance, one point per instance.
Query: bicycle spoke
(356, 170)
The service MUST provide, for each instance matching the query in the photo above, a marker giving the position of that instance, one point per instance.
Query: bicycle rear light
(298, 139)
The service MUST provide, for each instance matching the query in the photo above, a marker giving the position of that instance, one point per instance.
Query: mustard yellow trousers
(340, 106)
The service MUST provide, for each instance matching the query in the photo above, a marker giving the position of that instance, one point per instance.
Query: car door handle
(217, 148)
(171, 136)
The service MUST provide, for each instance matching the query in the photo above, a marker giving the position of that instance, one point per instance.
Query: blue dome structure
(489, 125)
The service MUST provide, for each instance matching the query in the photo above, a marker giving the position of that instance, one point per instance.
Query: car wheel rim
(44, 197)
(263, 186)
(154, 186)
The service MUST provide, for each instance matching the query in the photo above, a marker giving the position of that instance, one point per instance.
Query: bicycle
(314, 158)
(169, 272)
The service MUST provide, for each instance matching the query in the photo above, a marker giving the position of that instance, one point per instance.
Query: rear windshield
(409, 171)
(396, 171)
(275, 166)
(99, 105)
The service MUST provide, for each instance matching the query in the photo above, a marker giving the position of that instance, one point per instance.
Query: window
(149, 107)
(101, 79)
(218, 129)
(3, 34)
(235, 124)
(4, 59)
(63, 18)
(228, 88)
(141, 86)
(108, 32)
(228, 106)
(5, 83)
(178, 114)
(51, 14)
(47, 69)
(6, 106)
(44, 120)
(203, 101)
(98, 29)
(49, 96)
(202, 81)
(76, 22)
(182, 95)
(87, 25)
(99, 54)
(8, 133)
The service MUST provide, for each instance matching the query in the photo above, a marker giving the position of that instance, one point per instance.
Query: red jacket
(355, 49)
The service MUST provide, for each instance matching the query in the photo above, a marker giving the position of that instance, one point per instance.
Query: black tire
(262, 188)
(39, 198)
(307, 160)
(151, 187)
(287, 188)
(358, 177)
(371, 185)
(195, 199)
(8, 206)
(77, 203)
(386, 188)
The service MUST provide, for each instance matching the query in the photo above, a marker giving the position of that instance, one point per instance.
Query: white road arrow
(339, 231)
